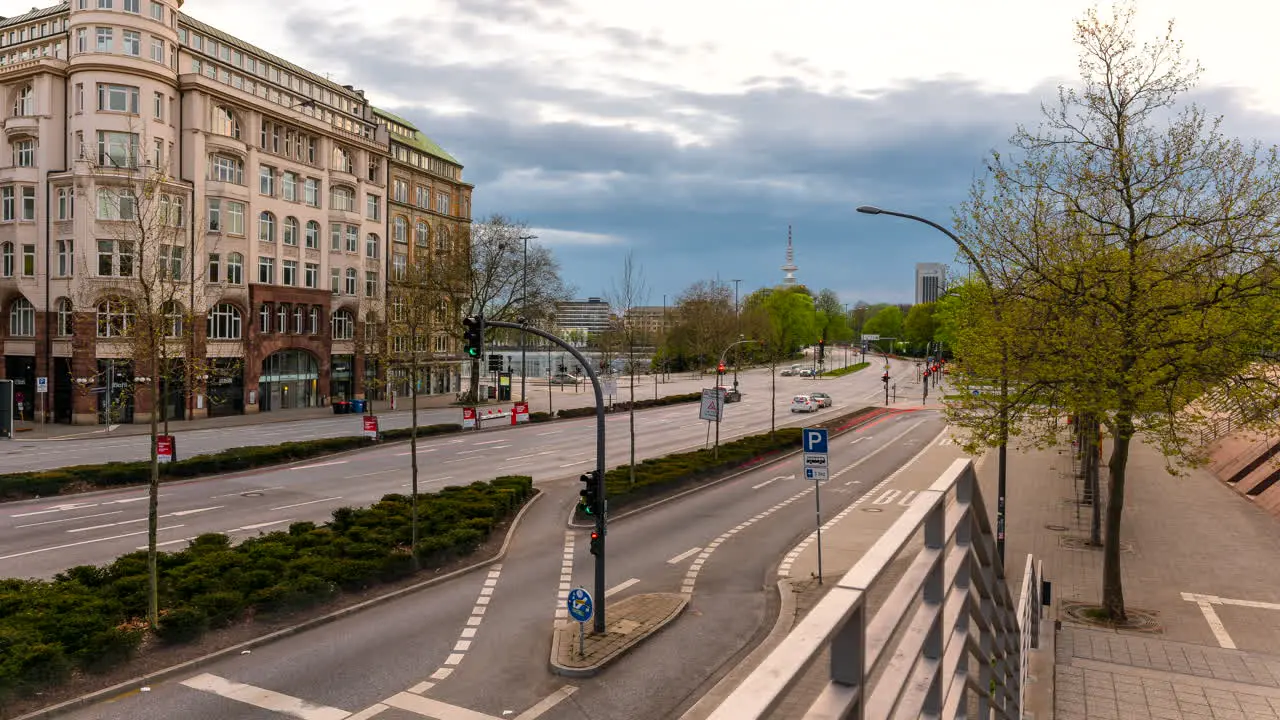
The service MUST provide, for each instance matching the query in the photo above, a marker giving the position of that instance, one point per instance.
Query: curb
(781, 628)
(870, 417)
(593, 670)
(165, 673)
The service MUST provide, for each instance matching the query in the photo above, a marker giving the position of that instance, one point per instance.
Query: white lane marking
(421, 450)
(566, 577)
(376, 472)
(683, 556)
(319, 465)
(620, 587)
(263, 698)
(169, 542)
(580, 462)
(460, 649)
(245, 492)
(860, 439)
(522, 457)
(882, 448)
(261, 525)
(887, 497)
(59, 508)
(552, 432)
(83, 542)
(547, 703)
(1206, 603)
(784, 568)
(766, 482)
(489, 442)
(429, 707)
(691, 577)
(70, 519)
(309, 502)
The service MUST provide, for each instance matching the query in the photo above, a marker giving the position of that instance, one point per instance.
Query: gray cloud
(777, 153)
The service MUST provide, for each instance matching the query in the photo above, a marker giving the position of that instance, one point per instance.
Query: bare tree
(487, 278)
(628, 293)
(706, 319)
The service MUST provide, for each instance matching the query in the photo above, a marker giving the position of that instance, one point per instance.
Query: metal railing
(946, 641)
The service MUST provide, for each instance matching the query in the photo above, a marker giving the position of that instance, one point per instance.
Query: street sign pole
(815, 467)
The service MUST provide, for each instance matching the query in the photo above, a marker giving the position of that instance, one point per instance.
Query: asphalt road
(41, 537)
(476, 647)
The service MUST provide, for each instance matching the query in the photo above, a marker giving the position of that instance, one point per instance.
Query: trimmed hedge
(17, 486)
(847, 370)
(91, 618)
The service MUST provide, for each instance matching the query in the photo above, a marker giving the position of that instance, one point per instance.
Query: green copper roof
(419, 140)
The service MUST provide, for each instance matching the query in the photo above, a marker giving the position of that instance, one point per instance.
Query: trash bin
(341, 407)
(358, 406)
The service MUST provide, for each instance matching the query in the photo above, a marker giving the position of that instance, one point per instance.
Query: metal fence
(947, 640)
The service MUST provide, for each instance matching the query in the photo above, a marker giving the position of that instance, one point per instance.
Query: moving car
(730, 394)
(803, 403)
(787, 372)
(823, 399)
(565, 379)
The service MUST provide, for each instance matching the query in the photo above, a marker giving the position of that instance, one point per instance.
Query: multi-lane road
(41, 537)
(476, 647)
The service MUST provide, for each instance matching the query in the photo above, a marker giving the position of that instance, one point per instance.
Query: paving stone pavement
(630, 621)
(1184, 537)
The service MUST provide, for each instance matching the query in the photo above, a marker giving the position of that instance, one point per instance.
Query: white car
(803, 403)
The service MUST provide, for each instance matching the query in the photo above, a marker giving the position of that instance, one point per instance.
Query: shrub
(182, 624)
(847, 370)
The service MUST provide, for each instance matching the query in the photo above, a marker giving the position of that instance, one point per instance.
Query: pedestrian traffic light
(597, 543)
(590, 493)
(473, 335)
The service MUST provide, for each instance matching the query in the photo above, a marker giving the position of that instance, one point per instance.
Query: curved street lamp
(715, 453)
(1003, 426)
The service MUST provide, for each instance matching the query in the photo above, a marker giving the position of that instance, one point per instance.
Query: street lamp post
(719, 400)
(737, 321)
(524, 307)
(1003, 416)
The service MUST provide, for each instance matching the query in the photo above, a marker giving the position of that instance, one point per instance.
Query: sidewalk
(1182, 538)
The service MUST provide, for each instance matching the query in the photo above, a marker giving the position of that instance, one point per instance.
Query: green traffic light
(586, 507)
(473, 352)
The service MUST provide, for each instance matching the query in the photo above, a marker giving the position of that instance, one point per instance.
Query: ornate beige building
(273, 182)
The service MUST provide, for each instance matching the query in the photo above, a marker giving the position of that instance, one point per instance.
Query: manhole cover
(872, 510)
(252, 494)
(1056, 528)
(1137, 620)
(1073, 542)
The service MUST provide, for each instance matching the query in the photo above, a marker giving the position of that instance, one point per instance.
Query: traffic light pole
(598, 595)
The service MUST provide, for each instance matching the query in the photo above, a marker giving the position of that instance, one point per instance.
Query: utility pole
(524, 308)
(737, 322)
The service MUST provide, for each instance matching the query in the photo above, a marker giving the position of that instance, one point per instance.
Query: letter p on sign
(815, 440)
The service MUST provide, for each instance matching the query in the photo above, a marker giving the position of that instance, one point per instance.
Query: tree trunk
(631, 359)
(773, 398)
(473, 392)
(153, 508)
(1112, 585)
(413, 459)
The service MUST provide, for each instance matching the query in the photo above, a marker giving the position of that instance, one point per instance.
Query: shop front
(341, 375)
(115, 389)
(22, 371)
(225, 387)
(289, 380)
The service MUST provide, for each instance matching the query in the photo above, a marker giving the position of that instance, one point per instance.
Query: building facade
(931, 282)
(583, 317)
(429, 231)
(651, 323)
(146, 145)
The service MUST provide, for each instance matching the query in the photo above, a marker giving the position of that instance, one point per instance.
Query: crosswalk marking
(263, 698)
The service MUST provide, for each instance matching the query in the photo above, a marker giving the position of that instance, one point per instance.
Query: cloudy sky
(694, 132)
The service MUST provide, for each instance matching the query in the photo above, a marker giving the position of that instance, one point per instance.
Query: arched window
(235, 269)
(351, 281)
(22, 318)
(267, 227)
(341, 159)
(224, 322)
(115, 318)
(225, 123)
(24, 101)
(343, 198)
(400, 230)
(442, 239)
(66, 318)
(172, 313)
(6, 259)
(344, 327)
(312, 239)
(423, 235)
(290, 231)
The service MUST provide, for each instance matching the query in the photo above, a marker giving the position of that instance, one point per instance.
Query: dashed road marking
(683, 556)
(620, 587)
(460, 649)
(566, 578)
(691, 577)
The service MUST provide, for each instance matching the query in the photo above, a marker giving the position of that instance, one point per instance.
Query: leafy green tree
(886, 323)
(1131, 249)
(782, 320)
(920, 326)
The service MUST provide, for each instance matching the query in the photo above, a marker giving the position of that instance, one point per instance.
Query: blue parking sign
(815, 440)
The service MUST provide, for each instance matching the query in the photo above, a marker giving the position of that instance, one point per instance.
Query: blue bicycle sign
(580, 607)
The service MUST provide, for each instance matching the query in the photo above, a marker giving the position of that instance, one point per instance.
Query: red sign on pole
(164, 448)
(371, 426)
(468, 417)
(520, 413)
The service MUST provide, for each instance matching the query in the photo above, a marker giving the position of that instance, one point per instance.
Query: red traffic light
(720, 368)
(595, 535)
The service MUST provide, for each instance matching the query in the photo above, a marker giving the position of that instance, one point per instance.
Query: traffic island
(629, 621)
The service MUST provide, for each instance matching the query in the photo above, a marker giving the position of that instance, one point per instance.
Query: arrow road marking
(766, 482)
(860, 439)
(263, 698)
(620, 587)
(683, 556)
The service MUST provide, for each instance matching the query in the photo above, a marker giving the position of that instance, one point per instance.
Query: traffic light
(885, 378)
(597, 542)
(822, 349)
(474, 335)
(590, 494)
(720, 368)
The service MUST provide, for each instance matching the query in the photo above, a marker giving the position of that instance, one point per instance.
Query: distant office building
(931, 282)
(651, 322)
(590, 316)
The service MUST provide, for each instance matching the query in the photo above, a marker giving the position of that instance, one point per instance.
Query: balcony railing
(947, 642)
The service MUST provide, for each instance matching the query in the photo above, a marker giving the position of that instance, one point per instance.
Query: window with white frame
(311, 238)
(157, 10)
(353, 238)
(266, 270)
(235, 269)
(442, 203)
(442, 343)
(289, 234)
(311, 192)
(370, 284)
(118, 98)
(442, 239)
(313, 326)
(267, 180)
(373, 207)
(227, 169)
(299, 319)
(116, 258)
(335, 280)
(116, 204)
(401, 190)
(172, 313)
(115, 318)
(335, 237)
(66, 258)
(28, 260)
(132, 43)
(7, 260)
(343, 198)
(289, 273)
(289, 187)
(422, 236)
(282, 318)
(341, 159)
(264, 318)
(22, 318)
(421, 196)
(157, 105)
(311, 275)
(399, 267)
(213, 267)
(400, 230)
(133, 6)
(371, 244)
(117, 149)
(225, 123)
(66, 325)
(24, 153)
(351, 281)
(157, 50)
(28, 202)
(105, 39)
(24, 101)
(344, 327)
(266, 227)
(171, 260)
(224, 322)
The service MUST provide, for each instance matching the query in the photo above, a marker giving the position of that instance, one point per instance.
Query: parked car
(807, 372)
(565, 379)
(803, 403)
(823, 399)
(730, 394)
